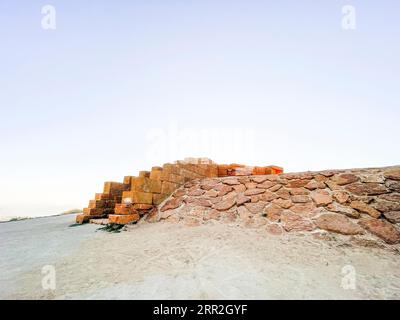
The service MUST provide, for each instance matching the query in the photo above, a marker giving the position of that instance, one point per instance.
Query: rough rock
(364, 208)
(345, 178)
(393, 216)
(393, 174)
(252, 192)
(293, 222)
(321, 197)
(366, 189)
(338, 223)
(172, 204)
(225, 204)
(382, 229)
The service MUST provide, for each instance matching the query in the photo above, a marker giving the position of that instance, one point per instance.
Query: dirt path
(169, 261)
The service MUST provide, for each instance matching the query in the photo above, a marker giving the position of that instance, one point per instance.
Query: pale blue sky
(121, 86)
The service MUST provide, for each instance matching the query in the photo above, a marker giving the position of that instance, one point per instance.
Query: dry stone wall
(361, 203)
(128, 201)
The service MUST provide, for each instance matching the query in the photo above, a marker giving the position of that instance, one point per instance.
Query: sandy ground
(169, 261)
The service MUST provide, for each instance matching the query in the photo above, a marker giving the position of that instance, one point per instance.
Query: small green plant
(114, 228)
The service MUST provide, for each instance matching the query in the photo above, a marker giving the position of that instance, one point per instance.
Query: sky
(121, 86)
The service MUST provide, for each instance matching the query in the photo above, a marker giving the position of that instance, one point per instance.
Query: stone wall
(135, 197)
(360, 203)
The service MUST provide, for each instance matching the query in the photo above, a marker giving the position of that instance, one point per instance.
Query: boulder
(338, 223)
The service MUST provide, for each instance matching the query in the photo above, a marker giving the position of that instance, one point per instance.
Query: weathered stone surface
(385, 206)
(231, 181)
(378, 178)
(293, 222)
(212, 215)
(301, 199)
(211, 193)
(297, 183)
(241, 199)
(393, 185)
(259, 179)
(123, 219)
(196, 192)
(393, 216)
(202, 202)
(172, 204)
(266, 185)
(321, 197)
(191, 221)
(393, 174)
(251, 185)
(395, 197)
(274, 229)
(341, 196)
(303, 209)
(337, 223)
(312, 185)
(179, 193)
(299, 191)
(283, 193)
(273, 212)
(239, 188)
(268, 196)
(252, 192)
(256, 208)
(365, 208)
(366, 189)
(223, 190)
(275, 188)
(382, 229)
(346, 210)
(345, 178)
(286, 204)
(244, 213)
(225, 204)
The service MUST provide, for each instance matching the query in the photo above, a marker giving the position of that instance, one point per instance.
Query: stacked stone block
(126, 202)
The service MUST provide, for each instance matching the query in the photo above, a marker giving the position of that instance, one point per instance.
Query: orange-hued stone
(137, 197)
(156, 173)
(123, 219)
(144, 184)
(168, 187)
(145, 174)
(127, 180)
(158, 198)
(93, 211)
(82, 218)
(142, 206)
(102, 196)
(123, 208)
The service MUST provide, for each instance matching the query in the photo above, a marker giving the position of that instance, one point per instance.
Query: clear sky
(120, 86)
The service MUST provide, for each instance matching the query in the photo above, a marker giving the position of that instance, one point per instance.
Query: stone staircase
(127, 201)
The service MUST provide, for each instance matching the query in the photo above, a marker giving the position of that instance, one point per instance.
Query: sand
(171, 261)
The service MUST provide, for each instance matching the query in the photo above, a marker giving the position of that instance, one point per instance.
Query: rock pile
(126, 202)
(359, 203)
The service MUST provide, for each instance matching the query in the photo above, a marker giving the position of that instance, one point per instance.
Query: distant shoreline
(23, 218)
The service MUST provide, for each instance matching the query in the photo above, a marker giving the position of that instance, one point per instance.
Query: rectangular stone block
(172, 177)
(102, 196)
(123, 208)
(137, 197)
(155, 173)
(142, 207)
(145, 174)
(168, 187)
(259, 171)
(127, 180)
(114, 188)
(144, 184)
(158, 198)
(123, 219)
(93, 211)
